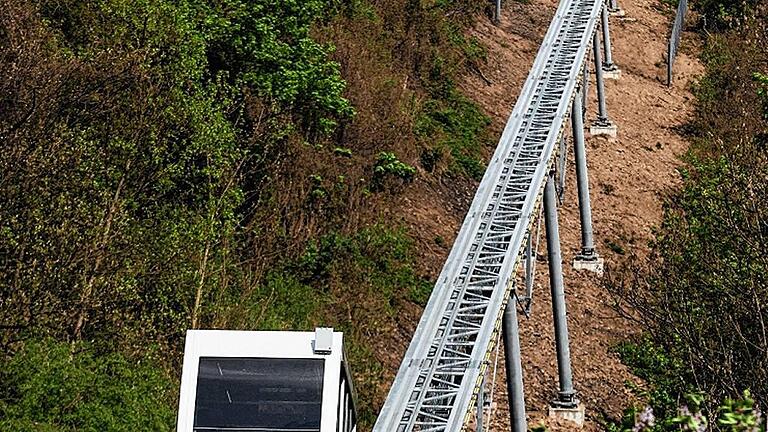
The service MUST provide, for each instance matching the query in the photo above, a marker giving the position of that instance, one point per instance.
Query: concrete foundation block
(617, 12)
(597, 129)
(613, 73)
(595, 264)
(575, 414)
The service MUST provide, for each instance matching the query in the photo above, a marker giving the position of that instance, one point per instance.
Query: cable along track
(440, 376)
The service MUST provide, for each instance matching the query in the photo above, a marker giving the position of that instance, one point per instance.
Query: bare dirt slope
(627, 177)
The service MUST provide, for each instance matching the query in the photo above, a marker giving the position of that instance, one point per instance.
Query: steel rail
(440, 376)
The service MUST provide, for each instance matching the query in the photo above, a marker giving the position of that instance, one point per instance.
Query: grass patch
(453, 126)
(65, 387)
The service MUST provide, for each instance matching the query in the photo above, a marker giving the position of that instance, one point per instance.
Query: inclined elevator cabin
(266, 381)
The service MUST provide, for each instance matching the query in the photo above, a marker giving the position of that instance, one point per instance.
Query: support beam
(610, 70)
(602, 125)
(497, 13)
(587, 259)
(511, 334)
(566, 405)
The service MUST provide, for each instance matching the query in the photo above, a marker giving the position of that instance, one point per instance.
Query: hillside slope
(628, 176)
(237, 164)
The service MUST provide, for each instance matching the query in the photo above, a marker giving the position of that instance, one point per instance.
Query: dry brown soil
(628, 176)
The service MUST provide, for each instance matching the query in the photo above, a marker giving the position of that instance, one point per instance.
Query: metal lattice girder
(439, 378)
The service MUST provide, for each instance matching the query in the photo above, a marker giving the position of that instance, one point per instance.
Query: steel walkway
(440, 376)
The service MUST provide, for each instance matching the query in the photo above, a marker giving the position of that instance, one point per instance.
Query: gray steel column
(608, 65)
(585, 87)
(498, 11)
(480, 403)
(669, 63)
(561, 168)
(514, 367)
(602, 113)
(582, 179)
(566, 397)
(529, 272)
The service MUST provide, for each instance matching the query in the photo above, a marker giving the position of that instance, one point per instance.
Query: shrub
(733, 415)
(55, 386)
(389, 166)
(723, 14)
(457, 124)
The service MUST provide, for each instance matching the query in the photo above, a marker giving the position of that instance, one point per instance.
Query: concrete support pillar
(610, 70)
(566, 405)
(602, 125)
(588, 258)
(497, 13)
(514, 365)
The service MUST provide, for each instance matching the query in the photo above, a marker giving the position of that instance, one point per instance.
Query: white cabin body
(265, 381)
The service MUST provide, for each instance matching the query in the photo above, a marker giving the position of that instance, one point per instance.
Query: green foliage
(52, 386)
(353, 282)
(449, 122)
(387, 166)
(375, 263)
(456, 124)
(420, 292)
(664, 374)
(281, 302)
(128, 183)
(741, 415)
(723, 14)
(376, 256)
(710, 265)
(428, 42)
(271, 50)
(165, 170)
(341, 151)
(251, 42)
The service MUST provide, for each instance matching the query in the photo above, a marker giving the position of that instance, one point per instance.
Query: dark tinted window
(256, 394)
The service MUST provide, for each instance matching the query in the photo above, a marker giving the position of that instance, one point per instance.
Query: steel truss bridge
(441, 375)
